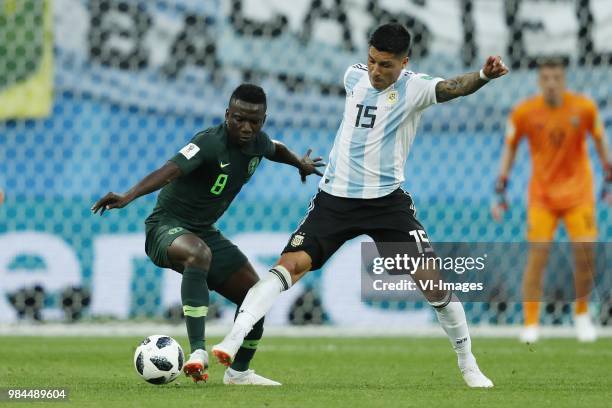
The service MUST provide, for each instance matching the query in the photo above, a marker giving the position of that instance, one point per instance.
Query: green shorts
(226, 257)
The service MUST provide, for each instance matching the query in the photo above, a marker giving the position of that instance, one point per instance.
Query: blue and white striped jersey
(377, 130)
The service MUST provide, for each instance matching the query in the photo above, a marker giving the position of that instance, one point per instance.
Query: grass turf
(324, 372)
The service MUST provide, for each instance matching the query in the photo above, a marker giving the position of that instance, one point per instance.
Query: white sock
(452, 319)
(260, 299)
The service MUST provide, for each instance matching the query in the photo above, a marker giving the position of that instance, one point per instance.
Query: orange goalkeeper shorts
(579, 222)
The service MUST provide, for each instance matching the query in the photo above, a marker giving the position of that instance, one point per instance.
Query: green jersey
(214, 171)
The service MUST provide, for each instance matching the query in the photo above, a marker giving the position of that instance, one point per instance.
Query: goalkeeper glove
(500, 206)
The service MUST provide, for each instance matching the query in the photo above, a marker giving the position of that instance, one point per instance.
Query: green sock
(249, 347)
(194, 295)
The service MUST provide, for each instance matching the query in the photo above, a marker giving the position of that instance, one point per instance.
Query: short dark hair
(249, 93)
(552, 62)
(391, 37)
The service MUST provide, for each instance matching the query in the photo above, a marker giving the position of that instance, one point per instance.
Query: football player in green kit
(199, 184)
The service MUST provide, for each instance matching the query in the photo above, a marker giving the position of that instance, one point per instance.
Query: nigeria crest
(253, 165)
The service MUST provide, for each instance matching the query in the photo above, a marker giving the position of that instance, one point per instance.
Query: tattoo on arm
(462, 85)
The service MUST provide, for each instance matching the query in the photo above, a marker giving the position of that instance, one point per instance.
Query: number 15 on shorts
(422, 242)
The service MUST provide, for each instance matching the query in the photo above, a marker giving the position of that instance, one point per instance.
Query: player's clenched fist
(494, 67)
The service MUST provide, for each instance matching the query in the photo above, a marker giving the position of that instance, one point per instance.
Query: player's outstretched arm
(469, 83)
(305, 165)
(153, 182)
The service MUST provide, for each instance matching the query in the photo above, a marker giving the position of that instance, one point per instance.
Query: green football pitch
(322, 372)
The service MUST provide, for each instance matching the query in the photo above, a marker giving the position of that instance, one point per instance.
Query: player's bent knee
(198, 256)
(296, 263)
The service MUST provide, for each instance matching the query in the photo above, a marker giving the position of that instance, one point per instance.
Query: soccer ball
(159, 359)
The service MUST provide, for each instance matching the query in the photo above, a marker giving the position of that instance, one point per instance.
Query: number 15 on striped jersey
(368, 113)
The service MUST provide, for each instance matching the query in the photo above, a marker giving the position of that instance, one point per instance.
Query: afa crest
(392, 98)
(297, 240)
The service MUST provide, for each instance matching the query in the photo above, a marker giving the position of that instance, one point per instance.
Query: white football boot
(247, 377)
(197, 366)
(225, 352)
(472, 375)
(585, 329)
(530, 334)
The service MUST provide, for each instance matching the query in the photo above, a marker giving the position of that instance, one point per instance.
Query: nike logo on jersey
(223, 165)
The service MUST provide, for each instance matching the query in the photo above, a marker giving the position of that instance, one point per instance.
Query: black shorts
(331, 221)
(226, 257)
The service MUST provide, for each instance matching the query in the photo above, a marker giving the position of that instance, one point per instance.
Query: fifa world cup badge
(297, 240)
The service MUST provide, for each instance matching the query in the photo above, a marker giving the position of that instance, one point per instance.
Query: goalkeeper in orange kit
(556, 124)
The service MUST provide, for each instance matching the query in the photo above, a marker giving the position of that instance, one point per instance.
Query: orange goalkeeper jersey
(561, 172)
